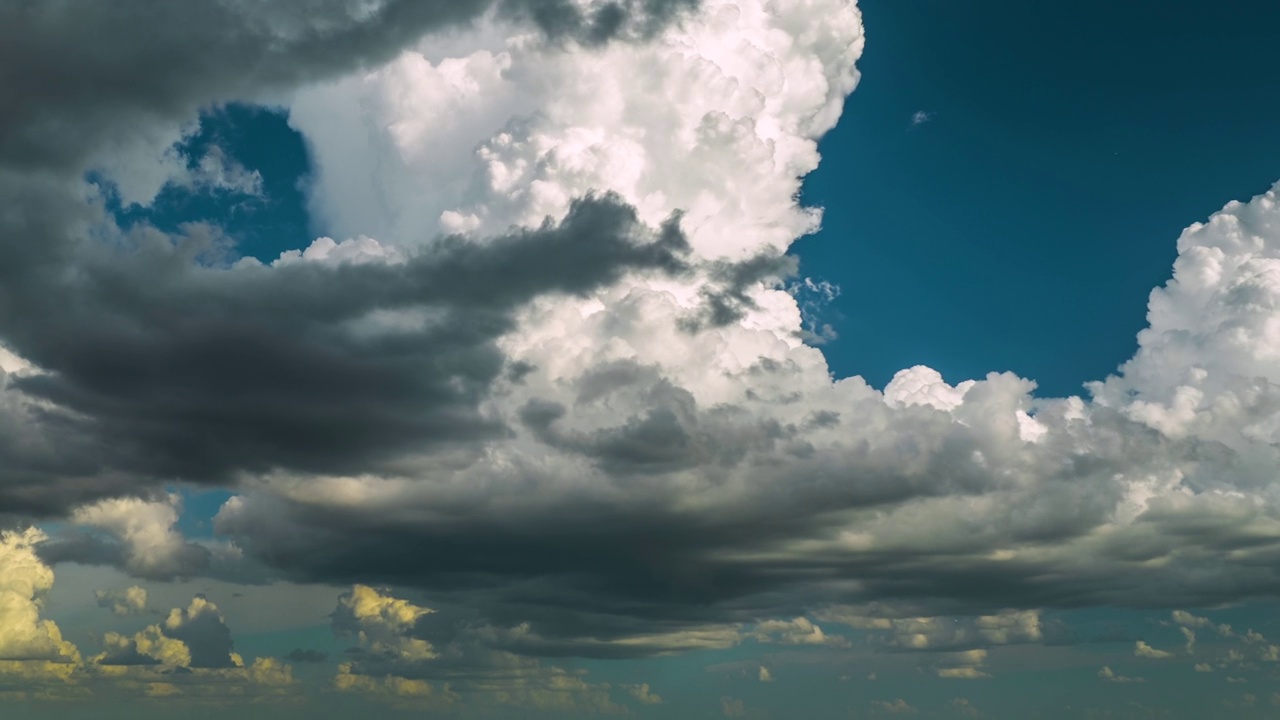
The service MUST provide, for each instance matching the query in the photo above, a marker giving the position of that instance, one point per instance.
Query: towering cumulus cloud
(544, 369)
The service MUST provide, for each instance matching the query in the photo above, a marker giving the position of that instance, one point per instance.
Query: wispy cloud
(920, 117)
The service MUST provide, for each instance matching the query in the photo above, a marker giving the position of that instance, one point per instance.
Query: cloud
(1143, 650)
(920, 117)
(382, 624)
(130, 601)
(24, 635)
(894, 707)
(544, 369)
(149, 546)
(149, 646)
(943, 633)
(265, 407)
(967, 665)
(408, 656)
(643, 694)
(200, 626)
(732, 707)
(57, 116)
(1109, 675)
(764, 675)
(798, 631)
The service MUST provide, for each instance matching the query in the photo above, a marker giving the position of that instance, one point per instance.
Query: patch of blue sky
(1010, 178)
(259, 203)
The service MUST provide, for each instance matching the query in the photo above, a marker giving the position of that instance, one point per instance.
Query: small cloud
(965, 665)
(732, 707)
(1109, 675)
(962, 673)
(897, 707)
(920, 117)
(129, 601)
(1203, 667)
(642, 693)
(765, 675)
(1144, 650)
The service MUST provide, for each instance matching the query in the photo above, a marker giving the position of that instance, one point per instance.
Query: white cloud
(1143, 650)
(920, 117)
(152, 545)
(24, 580)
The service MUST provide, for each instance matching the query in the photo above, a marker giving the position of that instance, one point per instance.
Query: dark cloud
(600, 22)
(80, 76)
(162, 367)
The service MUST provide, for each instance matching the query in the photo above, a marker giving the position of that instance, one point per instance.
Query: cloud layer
(547, 373)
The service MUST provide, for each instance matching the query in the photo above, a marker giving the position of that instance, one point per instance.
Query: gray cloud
(595, 482)
(162, 367)
(80, 76)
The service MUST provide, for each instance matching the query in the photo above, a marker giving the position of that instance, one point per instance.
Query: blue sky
(290, 451)
(1067, 146)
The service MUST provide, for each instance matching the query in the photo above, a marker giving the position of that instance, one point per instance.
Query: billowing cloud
(24, 579)
(547, 370)
(149, 545)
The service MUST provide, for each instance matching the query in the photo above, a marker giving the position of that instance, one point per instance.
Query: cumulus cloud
(382, 624)
(24, 580)
(148, 544)
(132, 600)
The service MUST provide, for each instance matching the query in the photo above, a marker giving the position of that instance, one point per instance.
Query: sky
(654, 358)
